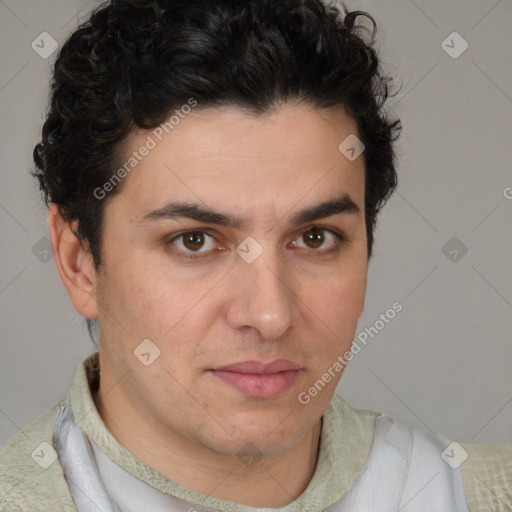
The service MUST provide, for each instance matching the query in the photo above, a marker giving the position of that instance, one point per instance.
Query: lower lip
(260, 385)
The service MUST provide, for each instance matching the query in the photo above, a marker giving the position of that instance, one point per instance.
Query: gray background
(444, 362)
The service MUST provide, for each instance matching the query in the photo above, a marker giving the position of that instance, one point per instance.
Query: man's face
(205, 305)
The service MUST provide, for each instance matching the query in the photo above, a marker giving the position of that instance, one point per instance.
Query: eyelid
(338, 234)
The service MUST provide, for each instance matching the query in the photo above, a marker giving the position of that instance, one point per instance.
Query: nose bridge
(263, 300)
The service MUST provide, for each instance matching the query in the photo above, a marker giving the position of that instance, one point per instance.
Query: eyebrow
(178, 209)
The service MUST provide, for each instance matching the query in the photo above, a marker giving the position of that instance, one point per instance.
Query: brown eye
(193, 240)
(314, 237)
(321, 240)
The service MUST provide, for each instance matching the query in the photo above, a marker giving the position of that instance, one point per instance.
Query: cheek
(339, 295)
(167, 307)
(136, 296)
(337, 303)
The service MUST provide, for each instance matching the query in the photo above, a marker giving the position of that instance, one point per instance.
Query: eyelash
(341, 239)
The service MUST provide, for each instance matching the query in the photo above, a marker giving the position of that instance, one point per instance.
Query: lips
(255, 367)
(259, 380)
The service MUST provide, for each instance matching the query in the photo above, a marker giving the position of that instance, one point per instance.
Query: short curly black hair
(134, 61)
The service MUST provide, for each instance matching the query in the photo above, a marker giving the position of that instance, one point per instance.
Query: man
(214, 171)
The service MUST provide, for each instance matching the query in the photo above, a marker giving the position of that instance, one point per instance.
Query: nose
(263, 298)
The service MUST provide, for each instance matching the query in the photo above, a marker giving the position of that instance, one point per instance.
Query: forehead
(241, 161)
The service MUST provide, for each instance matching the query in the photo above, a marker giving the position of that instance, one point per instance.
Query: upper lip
(278, 365)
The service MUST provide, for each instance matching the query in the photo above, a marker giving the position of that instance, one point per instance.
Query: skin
(295, 301)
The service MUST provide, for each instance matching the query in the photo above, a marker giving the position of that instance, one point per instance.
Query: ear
(74, 263)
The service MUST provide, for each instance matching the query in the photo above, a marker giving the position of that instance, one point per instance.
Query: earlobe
(74, 264)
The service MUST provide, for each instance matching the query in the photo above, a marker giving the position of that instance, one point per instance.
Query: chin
(265, 439)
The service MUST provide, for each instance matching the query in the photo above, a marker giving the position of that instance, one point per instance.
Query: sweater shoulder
(487, 477)
(31, 477)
